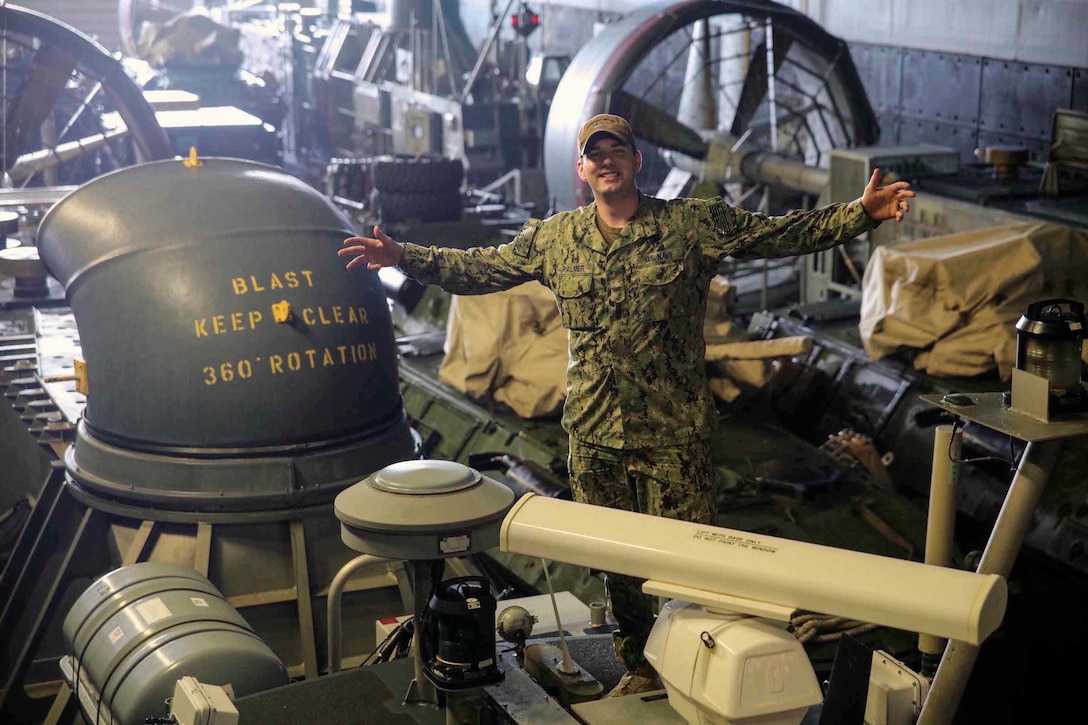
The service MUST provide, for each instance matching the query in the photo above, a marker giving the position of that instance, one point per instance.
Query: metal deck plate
(649, 707)
(989, 411)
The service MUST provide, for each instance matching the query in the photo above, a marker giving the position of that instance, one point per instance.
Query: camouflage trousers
(673, 481)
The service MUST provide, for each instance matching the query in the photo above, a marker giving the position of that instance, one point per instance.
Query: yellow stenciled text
(334, 315)
(228, 371)
(231, 322)
(297, 361)
(314, 358)
(246, 320)
(284, 280)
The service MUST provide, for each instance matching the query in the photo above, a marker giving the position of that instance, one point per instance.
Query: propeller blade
(754, 91)
(661, 128)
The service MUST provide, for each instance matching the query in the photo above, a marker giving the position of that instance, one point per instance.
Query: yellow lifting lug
(81, 375)
(192, 162)
(281, 312)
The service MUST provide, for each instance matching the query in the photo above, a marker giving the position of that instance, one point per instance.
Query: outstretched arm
(375, 252)
(886, 202)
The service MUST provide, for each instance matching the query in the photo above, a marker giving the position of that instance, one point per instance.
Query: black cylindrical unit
(459, 625)
(1048, 343)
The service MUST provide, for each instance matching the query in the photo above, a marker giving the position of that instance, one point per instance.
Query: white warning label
(739, 541)
(153, 610)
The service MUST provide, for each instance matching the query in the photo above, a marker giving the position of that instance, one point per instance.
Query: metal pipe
(484, 51)
(769, 168)
(423, 576)
(441, 22)
(941, 523)
(335, 591)
(566, 664)
(29, 164)
(772, 105)
(511, 178)
(1005, 540)
(724, 166)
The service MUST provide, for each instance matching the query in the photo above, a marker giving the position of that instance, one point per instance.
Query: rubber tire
(423, 206)
(401, 174)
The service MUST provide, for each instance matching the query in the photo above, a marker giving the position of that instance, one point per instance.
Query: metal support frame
(302, 596)
(511, 180)
(422, 575)
(64, 707)
(30, 608)
(1044, 441)
(28, 536)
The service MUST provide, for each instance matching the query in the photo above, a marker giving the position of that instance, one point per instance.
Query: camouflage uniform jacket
(634, 312)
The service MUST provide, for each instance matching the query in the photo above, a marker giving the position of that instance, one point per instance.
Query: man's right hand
(375, 252)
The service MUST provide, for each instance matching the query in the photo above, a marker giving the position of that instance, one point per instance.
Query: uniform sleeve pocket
(576, 301)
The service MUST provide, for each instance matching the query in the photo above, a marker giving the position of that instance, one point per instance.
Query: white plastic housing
(760, 569)
(730, 669)
(896, 692)
(195, 703)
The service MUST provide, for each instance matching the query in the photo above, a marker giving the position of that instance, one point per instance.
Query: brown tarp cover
(509, 347)
(957, 297)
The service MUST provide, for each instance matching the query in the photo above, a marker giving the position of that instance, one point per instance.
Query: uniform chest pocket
(577, 303)
(660, 290)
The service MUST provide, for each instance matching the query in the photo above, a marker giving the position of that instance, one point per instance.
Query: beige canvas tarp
(957, 297)
(509, 347)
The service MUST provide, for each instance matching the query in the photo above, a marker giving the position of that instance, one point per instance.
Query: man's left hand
(886, 202)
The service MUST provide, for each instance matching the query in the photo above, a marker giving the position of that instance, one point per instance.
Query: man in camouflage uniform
(631, 275)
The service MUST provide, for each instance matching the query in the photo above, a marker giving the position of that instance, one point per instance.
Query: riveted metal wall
(1080, 90)
(966, 101)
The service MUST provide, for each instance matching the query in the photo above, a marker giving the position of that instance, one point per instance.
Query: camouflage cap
(614, 126)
